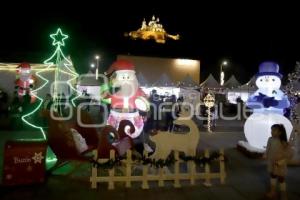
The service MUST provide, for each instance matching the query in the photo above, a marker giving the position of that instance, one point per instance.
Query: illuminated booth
(164, 87)
(9, 72)
(243, 92)
(88, 84)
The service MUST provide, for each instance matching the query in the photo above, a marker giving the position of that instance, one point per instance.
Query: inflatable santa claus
(126, 99)
(24, 81)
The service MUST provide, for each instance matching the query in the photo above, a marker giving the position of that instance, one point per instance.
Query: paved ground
(246, 179)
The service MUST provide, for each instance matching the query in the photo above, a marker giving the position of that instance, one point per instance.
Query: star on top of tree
(58, 38)
(38, 157)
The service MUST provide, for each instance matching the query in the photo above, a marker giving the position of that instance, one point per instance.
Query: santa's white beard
(24, 77)
(127, 89)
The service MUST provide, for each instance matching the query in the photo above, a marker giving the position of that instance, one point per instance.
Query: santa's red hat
(24, 65)
(120, 64)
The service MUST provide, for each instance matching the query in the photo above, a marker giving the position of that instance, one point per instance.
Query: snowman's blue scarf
(262, 100)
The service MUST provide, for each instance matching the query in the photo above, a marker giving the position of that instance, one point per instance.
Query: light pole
(93, 65)
(222, 74)
(97, 68)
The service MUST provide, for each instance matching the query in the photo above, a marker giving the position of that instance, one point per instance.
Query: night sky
(244, 34)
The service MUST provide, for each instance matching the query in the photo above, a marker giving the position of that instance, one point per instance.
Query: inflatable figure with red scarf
(127, 99)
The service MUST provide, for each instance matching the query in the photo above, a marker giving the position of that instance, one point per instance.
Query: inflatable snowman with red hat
(127, 99)
(25, 81)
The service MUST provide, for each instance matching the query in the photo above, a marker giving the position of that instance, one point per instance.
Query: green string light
(58, 41)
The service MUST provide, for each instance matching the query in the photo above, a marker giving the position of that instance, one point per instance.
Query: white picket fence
(161, 176)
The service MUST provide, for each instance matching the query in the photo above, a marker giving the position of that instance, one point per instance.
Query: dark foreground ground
(246, 179)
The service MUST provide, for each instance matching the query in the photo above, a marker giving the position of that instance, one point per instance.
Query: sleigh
(61, 141)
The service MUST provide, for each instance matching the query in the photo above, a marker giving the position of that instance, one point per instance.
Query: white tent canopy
(210, 82)
(163, 86)
(250, 85)
(164, 81)
(188, 82)
(142, 80)
(243, 92)
(232, 83)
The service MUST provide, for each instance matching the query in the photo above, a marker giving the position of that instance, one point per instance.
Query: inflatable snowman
(127, 100)
(268, 104)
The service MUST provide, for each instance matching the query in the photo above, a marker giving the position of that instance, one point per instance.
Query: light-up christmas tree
(65, 75)
(64, 78)
(292, 90)
(293, 80)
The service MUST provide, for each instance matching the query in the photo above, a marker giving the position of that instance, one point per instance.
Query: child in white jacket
(278, 152)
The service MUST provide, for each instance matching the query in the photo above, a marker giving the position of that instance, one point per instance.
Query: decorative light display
(209, 102)
(61, 65)
(292, 92)
(268, 104)
(222, 78)
(13, 67)
(154, 30)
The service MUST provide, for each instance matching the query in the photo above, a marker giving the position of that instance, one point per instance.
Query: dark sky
(245, 34)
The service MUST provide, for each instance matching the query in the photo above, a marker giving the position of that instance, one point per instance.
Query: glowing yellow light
(15, 69)
(186, 62)
(152, 30)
